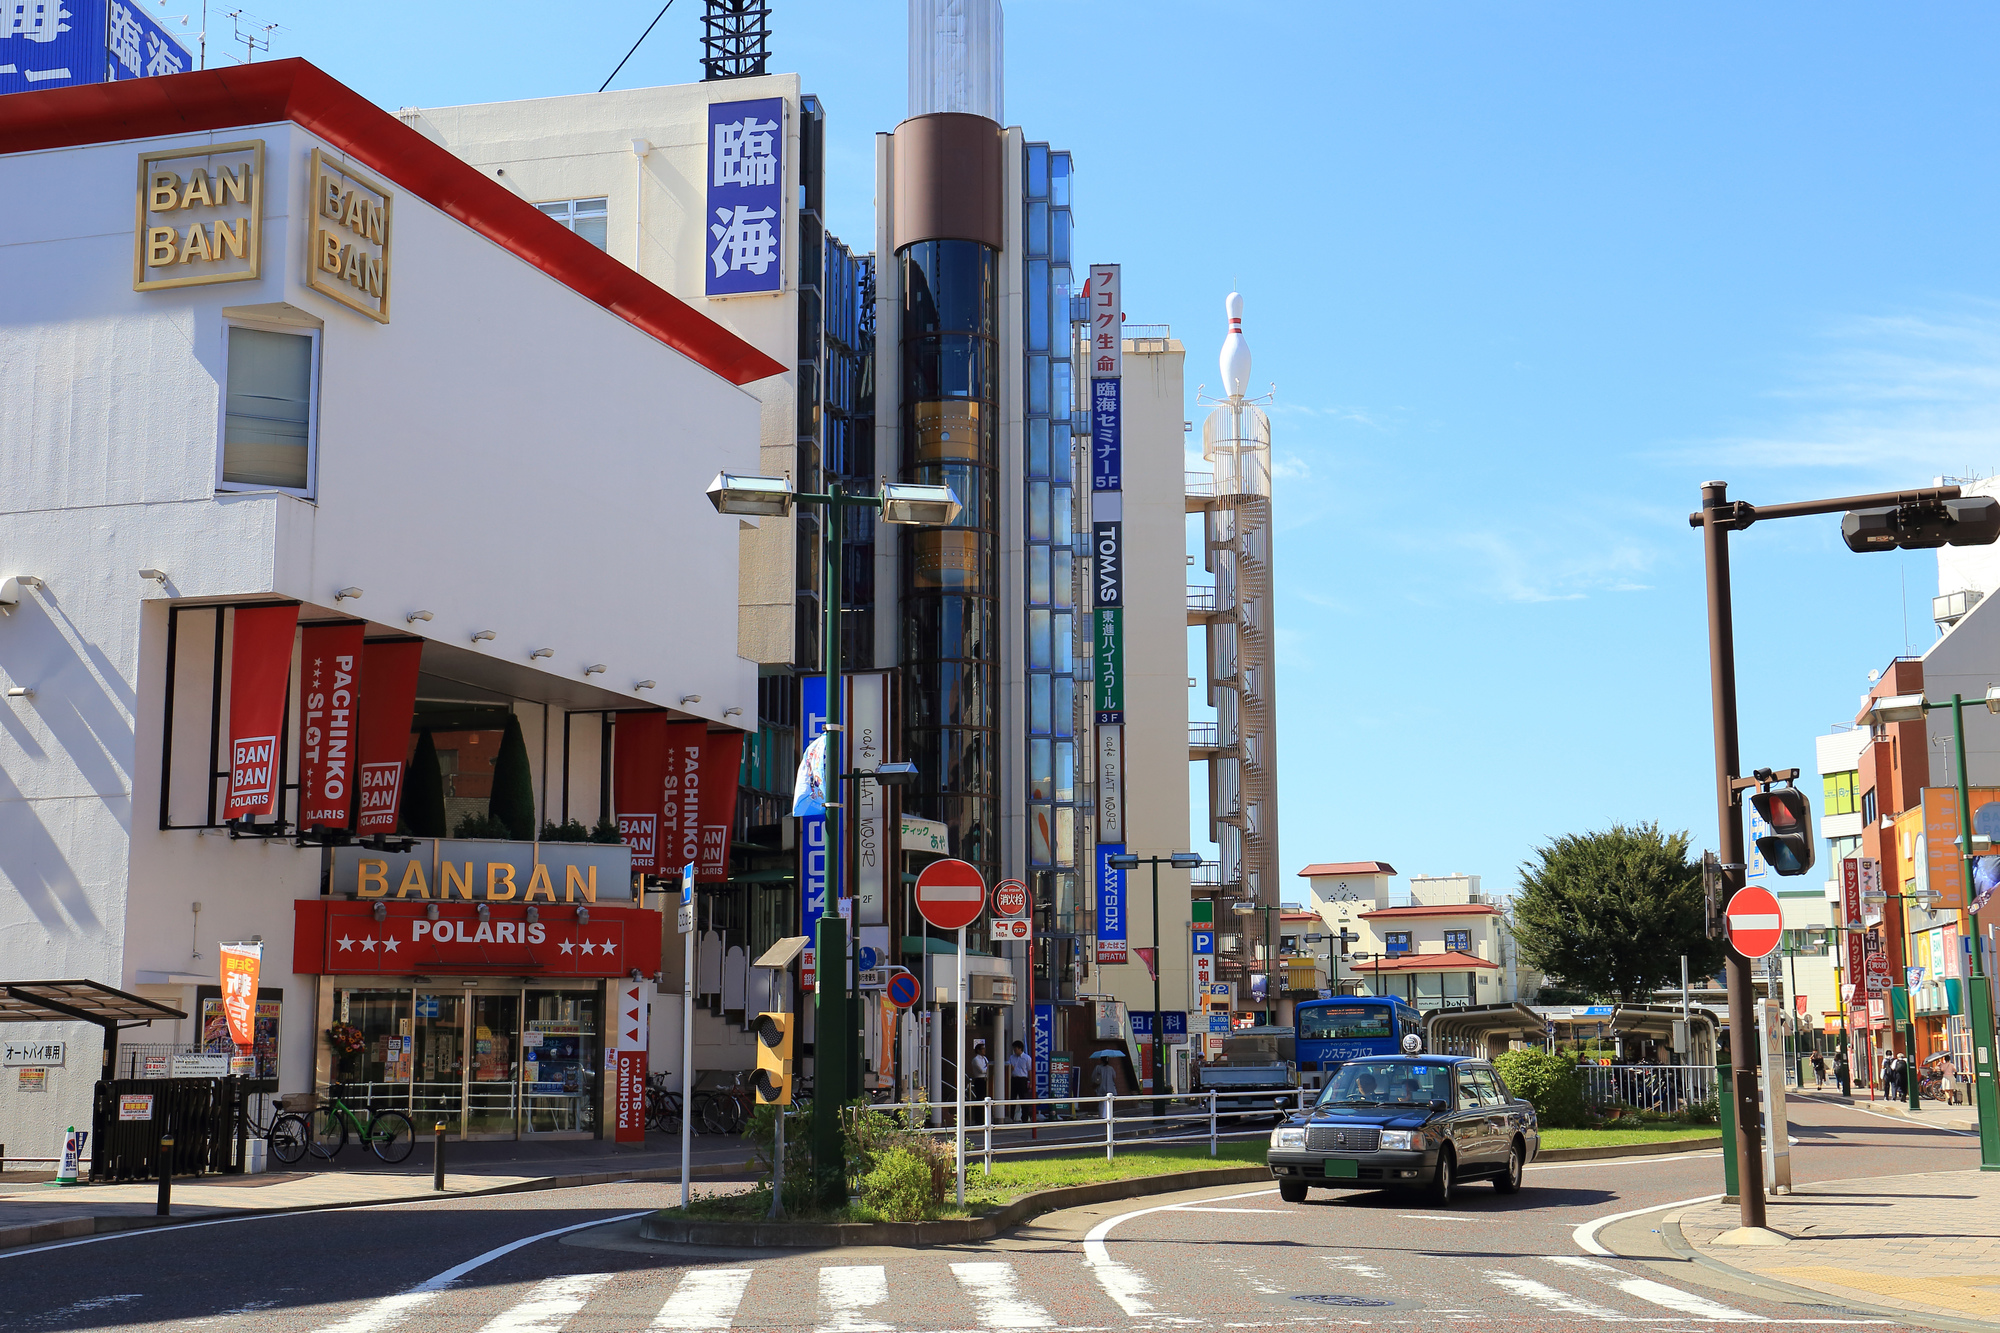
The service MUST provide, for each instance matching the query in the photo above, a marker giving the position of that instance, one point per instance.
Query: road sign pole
(958, 1129)
(687, 1036)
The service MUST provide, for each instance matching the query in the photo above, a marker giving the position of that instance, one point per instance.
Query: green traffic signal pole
(1980, 998)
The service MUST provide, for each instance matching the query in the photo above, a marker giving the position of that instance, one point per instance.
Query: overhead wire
(636, 45)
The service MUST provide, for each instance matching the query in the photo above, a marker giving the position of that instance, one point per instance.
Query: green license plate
(1339, 1168)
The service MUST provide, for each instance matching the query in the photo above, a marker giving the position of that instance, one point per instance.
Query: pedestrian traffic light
(1972, 520)
(1789, 845)
(773, 1079)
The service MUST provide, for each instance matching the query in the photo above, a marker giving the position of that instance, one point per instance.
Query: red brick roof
(1435, 909)
(1449, 960)
(298, 91)
(1349, 868)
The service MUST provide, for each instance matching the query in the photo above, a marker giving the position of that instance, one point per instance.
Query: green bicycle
(323, 1131)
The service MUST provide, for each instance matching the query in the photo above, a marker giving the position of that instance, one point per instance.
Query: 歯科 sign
(745, 180)
(353, 216)
(200, 215)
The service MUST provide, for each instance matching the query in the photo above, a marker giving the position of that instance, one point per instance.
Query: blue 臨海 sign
(61, 43)
(1045, 1041)
(1110, 905)
(746, 197)
(1106, 466)
(1203, 941)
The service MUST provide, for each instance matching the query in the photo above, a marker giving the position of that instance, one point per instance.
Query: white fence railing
(1653, 1087)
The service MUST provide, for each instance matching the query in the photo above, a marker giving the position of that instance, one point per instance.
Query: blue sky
(1525, 275)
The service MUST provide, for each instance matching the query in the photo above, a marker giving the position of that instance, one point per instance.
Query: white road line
(387, 1313)
(1585, 1234)
(1435, 1217)
(1197, 1208)
(704, 1302)
(549, 1305)
(845, 1292)
(994, 1290)
(1642, 1160)
(1898, 1119)
(1556, 1302)
(1124, 1285)
(1658, 1293)
(1353, 1263)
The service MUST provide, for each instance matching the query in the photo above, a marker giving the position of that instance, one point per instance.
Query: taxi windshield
(1388, 1083)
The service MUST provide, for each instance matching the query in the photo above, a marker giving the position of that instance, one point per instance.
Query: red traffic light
(1972, 520)
(1788, 847)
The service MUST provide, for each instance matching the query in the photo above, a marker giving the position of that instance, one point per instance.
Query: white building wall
(505, 453)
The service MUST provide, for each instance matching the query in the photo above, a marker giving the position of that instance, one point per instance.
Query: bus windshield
(1346, 1023)
(1388, 1083)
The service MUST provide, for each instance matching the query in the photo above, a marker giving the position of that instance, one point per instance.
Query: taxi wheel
(1509, 1181)
(1292, 1191)
(1444, 1185)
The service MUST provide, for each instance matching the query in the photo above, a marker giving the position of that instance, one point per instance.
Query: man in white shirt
(1021, 1081)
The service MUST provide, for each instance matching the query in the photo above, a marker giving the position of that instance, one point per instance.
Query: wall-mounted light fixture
(534, 915)
(583, 916)
(690, 699)
(541, 652)
(345, 593)
(380, 912)
(10, 591)
(158, 576)
(20, 692)
(484, 634)
(415, 616)
(484, 911)
(593, 669)
(431, 912)
(645, 684)
(732, 712)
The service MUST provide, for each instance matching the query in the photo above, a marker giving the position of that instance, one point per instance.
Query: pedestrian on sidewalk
(1819, 1071)
(1841, 1074)
(1104, 1081)
(981, 1066)
(1948, 1080)
(1021, 1082)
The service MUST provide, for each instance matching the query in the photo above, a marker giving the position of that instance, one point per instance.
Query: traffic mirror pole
(1717, 517)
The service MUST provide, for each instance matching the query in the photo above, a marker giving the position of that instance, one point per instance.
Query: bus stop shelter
(82, 1002)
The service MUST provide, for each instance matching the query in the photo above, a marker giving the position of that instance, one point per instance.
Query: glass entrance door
(494, 1056)
(438, 1066)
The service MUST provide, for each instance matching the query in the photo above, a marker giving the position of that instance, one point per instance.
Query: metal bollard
(989, 1136)
(1109, 1123)
(1211, 1124)
(165, 1206)
(437, 1158)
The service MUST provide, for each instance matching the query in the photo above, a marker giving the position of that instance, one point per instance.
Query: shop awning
(79, 1002)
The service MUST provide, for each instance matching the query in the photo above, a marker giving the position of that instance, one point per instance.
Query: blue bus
(1329, 1033)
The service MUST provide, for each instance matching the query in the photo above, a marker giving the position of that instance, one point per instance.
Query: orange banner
(240, 966)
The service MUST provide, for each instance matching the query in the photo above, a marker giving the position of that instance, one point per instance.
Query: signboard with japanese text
(136, 1106)
(32, 1053)
(241, 964)
(929, 836)
(1110, 905)
(1850, 891)
(45, 44)
(1107, 321)
(1110, 782)
(1106, 437)
(1943, 857)
(1109, 658)
(746, 197)
(867, 730)
(1204, 971)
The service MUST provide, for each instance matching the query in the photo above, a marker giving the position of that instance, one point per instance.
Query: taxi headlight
(1402, 1139)
(1283, 1137)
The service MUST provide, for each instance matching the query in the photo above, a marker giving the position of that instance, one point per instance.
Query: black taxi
(1427, 1122)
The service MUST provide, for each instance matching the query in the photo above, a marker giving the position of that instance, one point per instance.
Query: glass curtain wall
(1051, 560)
(950, 437)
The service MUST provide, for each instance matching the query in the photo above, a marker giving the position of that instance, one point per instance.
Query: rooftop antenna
(255, 40)
(735, 39)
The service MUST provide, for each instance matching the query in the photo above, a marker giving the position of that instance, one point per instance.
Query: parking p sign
(1203, 941)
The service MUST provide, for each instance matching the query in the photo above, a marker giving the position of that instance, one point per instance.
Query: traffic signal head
(1972, 520)
(773, 1079)
(1789, 845)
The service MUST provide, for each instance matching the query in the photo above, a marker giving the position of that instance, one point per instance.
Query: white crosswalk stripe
(704, 1302)
(549, 1306)
(1556, 1302)
(845, 1292)
(997, 1294)
(1658, 1293)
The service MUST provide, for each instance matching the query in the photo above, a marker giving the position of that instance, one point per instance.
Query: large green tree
(1611, 913)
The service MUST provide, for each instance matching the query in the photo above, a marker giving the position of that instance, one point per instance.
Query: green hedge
(1549, 1082)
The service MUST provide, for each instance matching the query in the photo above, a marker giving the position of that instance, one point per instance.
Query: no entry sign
(950, 894)
(1755, 921)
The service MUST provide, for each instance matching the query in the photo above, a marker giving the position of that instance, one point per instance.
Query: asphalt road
(1224, 1258)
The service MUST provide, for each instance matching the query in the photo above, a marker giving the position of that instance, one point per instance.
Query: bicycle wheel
(287, 1137)
(327, 1132)
(391, 1135)
(715, 1116)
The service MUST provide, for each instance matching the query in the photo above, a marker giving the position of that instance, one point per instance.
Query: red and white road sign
(1755, 921)
(1011, 928)
(1010, 898)
(950, 894)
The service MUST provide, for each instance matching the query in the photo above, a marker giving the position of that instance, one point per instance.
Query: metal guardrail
(1198, 483)
(1651, 1087)
(1202, 733)
(1201, 597)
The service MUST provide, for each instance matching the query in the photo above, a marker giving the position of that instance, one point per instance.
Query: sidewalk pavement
(34, 1212)
(1921, 1244)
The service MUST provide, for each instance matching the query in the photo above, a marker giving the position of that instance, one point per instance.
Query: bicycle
(663, 1106)
(389, 1134)
(286, 1134)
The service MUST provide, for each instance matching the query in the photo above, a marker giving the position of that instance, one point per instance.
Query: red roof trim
(297, 91)
(1449, 960)
(1436, 909)
(1349, 868)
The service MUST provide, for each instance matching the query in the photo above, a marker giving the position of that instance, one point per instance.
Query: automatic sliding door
(493, 1077)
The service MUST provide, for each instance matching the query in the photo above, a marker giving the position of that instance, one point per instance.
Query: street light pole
(1979, 998)
(1180, 861)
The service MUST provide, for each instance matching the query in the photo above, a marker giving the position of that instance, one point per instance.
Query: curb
(1670, 1232)
(1609, 1150)
(662, 1226)
(69, 1228)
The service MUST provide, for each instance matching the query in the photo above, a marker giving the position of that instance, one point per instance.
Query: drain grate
(1330, 1298)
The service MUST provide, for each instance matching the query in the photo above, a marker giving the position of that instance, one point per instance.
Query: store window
(559, 1062)
(1840, 795)
(588, 218)
(370, 1046)
(1459, 940)
(1396, 941)
(271, 383)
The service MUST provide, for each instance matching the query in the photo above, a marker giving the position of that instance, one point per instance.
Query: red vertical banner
(260, 667)
(388, 702)
(721, 767)
(241, 964)
(639, 757)
(633, 997)
(681, 797)
(329, 688)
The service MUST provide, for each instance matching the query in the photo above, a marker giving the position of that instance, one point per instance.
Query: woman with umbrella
(1104, 1077)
